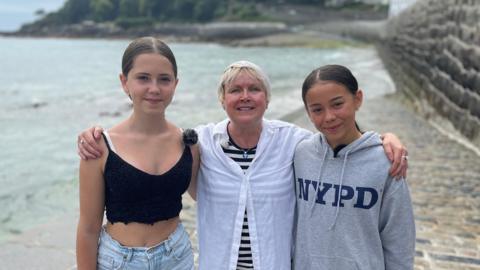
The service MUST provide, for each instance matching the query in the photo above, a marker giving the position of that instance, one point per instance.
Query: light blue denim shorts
(175, 253)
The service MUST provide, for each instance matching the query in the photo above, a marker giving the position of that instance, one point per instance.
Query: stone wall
(432, 51)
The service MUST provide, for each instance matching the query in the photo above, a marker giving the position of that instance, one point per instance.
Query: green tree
(129, 8)
(75, 11)
(144, 8)
(162, 10)
(205, 10)
(184, 9)
(103, 10)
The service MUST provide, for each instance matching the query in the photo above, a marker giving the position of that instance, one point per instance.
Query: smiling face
(245, 100)
(150, 83)
(331, 108)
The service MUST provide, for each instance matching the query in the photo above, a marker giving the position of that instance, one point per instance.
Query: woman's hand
(88, 143)
(397, 153)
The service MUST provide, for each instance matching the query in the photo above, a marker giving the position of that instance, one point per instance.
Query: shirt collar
(221, 127)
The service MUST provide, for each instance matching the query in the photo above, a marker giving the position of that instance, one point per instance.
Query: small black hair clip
(190, 136)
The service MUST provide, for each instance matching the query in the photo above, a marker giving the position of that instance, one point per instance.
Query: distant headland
(185, 20)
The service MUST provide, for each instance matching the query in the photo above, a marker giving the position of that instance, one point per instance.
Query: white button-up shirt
(266, 190)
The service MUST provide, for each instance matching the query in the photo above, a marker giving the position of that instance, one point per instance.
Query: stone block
(432, 45)
(458, 117)
(458, 13)
(456, 95)
(452, 66)
(477, 37)
(463, 78)
(476, 83)
(465, 100)
(436, 31)
(422, 45)
(473, 103)
(454, 45)
(472, 16)
(468, 33)
(467, 53)
(469, 79)
(472, 57)
(469, 129)
(450, 29)
(436, 18)
(450, 89)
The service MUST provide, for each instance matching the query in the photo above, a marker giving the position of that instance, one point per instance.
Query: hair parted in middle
(234, 69)
(330, 73)
(146, 45)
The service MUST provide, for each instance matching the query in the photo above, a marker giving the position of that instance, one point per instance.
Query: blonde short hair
(234, 69)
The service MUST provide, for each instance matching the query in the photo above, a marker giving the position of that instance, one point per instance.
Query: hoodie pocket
(332, 263)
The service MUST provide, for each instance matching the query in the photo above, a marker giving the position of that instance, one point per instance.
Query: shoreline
(301, 39)
(272, 19)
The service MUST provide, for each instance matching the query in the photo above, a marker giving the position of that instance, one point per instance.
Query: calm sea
(53, 88)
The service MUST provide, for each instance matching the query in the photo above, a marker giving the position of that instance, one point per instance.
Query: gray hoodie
(369, 225)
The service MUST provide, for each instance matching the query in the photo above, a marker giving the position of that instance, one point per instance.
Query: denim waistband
(164, 247)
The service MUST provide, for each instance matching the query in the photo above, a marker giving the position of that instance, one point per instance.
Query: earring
(128, 94)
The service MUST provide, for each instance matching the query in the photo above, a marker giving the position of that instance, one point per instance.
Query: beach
(443, 170)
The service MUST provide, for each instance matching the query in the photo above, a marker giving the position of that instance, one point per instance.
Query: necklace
(245, 151)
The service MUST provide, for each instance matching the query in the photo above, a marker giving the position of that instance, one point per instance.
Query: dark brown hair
(146, 45)
(330, 73)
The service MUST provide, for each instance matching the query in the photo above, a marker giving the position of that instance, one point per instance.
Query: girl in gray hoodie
(351, 214)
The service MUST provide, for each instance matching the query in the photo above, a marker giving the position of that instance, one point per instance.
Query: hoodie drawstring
(318, 185)
(337, 210)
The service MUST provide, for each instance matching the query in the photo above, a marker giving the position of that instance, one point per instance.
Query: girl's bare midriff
(142, 235)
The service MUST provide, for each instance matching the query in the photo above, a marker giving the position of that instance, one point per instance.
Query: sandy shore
(52, 245)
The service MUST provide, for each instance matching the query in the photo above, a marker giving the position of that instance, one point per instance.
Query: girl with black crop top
(139, 182)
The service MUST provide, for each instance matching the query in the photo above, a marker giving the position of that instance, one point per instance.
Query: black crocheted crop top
(132, 195)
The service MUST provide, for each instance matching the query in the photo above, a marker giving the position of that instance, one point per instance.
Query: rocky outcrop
(433, 53)
(202, 32)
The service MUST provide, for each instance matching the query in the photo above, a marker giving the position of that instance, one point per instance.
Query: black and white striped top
(242, 157)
